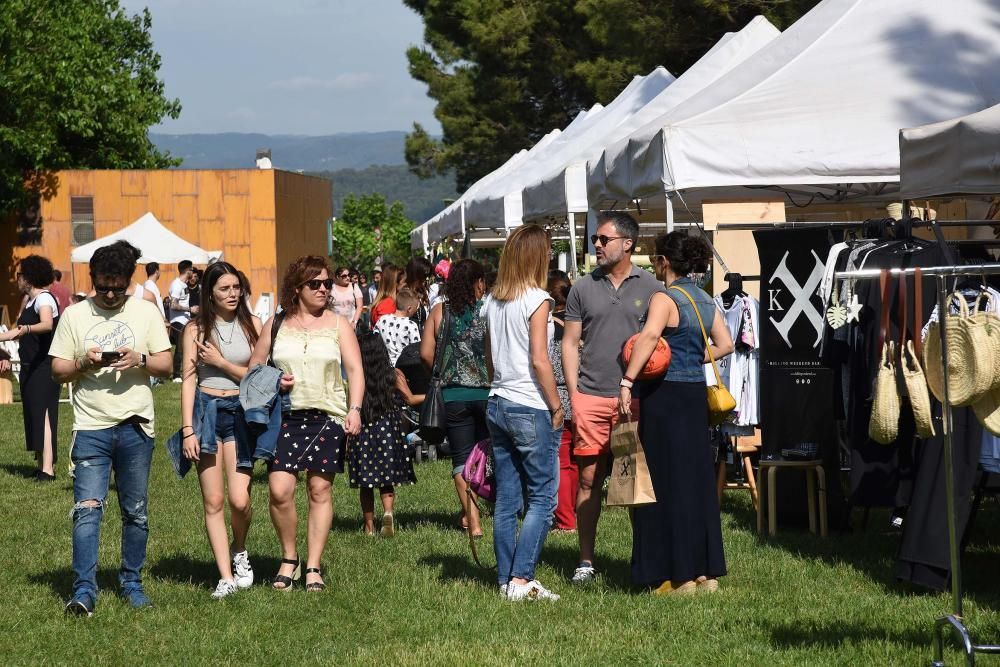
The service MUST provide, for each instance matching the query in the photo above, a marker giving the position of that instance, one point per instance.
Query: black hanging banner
(796, 390)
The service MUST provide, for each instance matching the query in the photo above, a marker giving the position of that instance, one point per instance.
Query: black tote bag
(433, 418)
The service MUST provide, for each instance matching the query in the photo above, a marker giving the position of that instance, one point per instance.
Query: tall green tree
(357, 244)
(505, 72)
(78, 89)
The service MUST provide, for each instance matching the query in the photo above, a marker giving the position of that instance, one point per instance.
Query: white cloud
(341, 82)
(243, 114)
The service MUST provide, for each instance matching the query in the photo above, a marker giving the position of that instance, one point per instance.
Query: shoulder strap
(275, 325)
(708, 346)
(918, 311)
(884, 325)
(441, 342)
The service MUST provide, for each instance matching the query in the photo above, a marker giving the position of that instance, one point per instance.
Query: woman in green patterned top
(465, 381)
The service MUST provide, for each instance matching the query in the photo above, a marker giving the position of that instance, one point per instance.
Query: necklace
(232, 330)
(302, 323)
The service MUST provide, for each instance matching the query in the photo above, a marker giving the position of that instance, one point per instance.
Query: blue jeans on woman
(128, 451)
(526, 450)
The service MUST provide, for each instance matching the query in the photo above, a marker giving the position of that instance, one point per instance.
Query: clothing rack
(952, 621)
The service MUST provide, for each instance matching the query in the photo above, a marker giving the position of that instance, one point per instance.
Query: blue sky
(288, 66)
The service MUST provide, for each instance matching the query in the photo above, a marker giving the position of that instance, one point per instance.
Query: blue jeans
(128, 451)
(526, 449)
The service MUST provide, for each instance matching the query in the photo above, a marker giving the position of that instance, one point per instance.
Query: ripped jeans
(128, 451)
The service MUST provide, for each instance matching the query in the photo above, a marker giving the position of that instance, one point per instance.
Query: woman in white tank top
(217, 346)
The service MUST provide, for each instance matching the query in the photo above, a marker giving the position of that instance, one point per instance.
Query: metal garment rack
(952, 621)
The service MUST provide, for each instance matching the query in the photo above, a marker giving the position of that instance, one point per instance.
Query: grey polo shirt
(609, 318)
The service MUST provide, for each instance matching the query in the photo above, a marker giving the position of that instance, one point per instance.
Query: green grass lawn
(419, 599)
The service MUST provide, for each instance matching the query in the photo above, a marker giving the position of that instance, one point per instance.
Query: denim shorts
(222, 420)
(225, 425)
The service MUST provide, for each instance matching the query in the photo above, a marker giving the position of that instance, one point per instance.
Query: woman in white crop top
(216, 351)
(311, 344)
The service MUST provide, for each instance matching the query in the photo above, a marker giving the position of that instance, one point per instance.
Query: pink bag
(479, 473)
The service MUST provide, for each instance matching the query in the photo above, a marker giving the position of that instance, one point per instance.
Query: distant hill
(421, 198)
(325, 153)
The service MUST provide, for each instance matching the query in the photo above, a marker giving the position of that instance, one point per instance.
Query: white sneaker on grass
(242, 572)
(531, 592)
(584, 573)
(225, 588)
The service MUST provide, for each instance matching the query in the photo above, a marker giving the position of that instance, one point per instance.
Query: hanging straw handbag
(970, 369)
(720, 402)
(909, 358)
(989, 325)
(883, 427)
(987, 406)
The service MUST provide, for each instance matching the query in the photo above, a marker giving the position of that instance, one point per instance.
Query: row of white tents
(816, 109)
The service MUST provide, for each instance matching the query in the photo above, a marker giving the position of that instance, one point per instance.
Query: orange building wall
(237, 211)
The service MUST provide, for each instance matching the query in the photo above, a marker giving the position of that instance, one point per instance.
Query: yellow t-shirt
(106, 397)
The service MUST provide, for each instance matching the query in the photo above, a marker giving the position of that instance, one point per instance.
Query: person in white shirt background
(181, 310)
(153, 275)
(397, 329)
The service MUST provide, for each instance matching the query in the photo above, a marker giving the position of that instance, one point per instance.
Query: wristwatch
(142, 360)
(356, 407)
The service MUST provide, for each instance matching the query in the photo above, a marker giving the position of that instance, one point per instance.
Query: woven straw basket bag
(970, 367)
(916, 387)
(884, 425)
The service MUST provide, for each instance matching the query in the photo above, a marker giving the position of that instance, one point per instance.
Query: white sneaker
(225, 587)
(584, 574)
(531, 591)
(242, 571)
(177, 380)
(503, 590)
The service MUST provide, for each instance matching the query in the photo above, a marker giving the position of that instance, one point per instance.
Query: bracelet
(190, 427)
(189, 435)
(356, 407)
(626, 383)
(625, 377)
(556, 409)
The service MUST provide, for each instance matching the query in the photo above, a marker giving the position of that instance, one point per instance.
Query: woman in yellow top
(311, 344)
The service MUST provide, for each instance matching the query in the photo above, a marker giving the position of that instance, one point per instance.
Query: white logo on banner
(802, 304)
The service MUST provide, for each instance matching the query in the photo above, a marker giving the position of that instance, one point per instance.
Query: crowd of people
(526, 358)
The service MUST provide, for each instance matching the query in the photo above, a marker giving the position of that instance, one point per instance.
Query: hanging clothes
(740, 371)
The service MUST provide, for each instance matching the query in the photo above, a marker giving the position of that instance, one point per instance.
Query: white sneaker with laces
(242, 571)
(531, 592)
(584, 574)
(226, 587)
(503, 590)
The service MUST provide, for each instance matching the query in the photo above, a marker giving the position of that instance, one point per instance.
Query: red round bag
(658, 362)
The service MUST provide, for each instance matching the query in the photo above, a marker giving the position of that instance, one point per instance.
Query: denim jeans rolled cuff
(526, 450)
(219, 418)
(126, 450)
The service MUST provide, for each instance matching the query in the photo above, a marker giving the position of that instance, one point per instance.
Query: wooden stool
(815, 475)
(741, 457)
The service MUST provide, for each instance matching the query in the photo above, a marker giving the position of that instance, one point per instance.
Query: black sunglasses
(594, 238)
(314, 284)
(343, 275)
(104, 289)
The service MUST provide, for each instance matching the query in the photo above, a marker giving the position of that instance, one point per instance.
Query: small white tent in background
(957, 156)
(156, 242)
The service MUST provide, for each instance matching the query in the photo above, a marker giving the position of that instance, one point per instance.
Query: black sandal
(315, 586)
(286, 582)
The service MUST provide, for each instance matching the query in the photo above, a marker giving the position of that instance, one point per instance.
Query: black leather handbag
(433, 418)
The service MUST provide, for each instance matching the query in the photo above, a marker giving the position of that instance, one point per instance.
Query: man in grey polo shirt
(603, 309)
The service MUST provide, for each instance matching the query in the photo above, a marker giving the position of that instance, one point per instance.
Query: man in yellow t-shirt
(108, 346)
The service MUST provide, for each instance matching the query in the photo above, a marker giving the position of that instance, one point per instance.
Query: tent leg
(571, 219)
(670, 211)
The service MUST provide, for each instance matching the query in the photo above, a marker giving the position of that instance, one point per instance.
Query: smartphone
(111, 356)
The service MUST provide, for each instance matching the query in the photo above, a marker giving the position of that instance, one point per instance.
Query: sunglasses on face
(343, 275)
(104, 289)
(315, 284)
(604, 240)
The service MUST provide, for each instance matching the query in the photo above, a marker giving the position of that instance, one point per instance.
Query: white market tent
(156, 242)
(957, 156)
(499, 206)
(564, 189)
(819, 106)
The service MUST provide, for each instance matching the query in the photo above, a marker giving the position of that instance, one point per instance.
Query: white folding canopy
(957, 156)
(564, 189)
(499, 205)
(822, 104)
(154, 241)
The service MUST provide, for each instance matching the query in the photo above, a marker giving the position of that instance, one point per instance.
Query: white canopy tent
(500, 206)
(156, 242)
(821, 105)
(957, 156)
(564, 190)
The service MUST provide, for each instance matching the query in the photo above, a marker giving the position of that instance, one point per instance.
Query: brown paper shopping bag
(630, 484)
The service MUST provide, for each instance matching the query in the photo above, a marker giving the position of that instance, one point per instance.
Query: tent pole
(571, 220)
(670, 210)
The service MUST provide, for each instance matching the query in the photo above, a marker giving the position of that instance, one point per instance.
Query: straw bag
(970, 369)
(909, 358)
(883, 427)
(990, 330)
(987, 406)
(720, 402)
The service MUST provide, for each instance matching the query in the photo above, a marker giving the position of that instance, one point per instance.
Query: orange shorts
(593, 419)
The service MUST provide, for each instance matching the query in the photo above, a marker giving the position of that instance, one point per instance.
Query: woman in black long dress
(39, 393)
(677, 541)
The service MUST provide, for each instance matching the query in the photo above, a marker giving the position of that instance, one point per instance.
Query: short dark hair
(37, 271)
(625, 225)
(686, 254)
(151, 268)
(184, 265)
(117, 260)
(57, 274)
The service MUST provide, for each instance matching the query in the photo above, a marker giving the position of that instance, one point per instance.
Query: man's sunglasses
(104, 289)
(604, 240)
(343, 275)
(315, 284)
